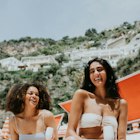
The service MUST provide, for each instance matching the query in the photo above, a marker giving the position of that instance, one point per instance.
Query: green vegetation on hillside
(61, 82)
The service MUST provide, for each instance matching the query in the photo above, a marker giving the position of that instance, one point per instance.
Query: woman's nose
(96, 72)
(34, 95)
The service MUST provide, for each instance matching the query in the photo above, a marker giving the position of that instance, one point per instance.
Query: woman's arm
(75, 114)
(50, 122)
(122, 120)
(13, 133)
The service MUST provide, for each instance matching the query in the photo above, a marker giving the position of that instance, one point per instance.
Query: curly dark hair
(16, 95)
(111, 86)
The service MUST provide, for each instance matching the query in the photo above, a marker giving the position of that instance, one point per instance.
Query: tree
(91, 32)
(61, 58)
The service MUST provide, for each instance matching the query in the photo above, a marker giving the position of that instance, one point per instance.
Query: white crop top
(92, 120)
(36, 136)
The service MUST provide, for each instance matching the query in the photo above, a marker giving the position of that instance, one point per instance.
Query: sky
(58, 18)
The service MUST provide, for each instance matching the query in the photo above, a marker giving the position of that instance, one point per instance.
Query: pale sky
(58, 18)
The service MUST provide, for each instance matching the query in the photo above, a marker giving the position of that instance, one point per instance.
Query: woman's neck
(100, 93)
(29, 113)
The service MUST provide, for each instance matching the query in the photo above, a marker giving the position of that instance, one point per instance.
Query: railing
(133, 127)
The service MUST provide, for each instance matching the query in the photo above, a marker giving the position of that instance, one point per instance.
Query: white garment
(92, 120)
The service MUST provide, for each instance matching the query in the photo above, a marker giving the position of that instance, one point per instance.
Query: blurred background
(51, 41)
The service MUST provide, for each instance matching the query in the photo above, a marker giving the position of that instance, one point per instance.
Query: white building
(36, 62)
(11, 64)
(113, 55)
(117, 42)
(78, 57)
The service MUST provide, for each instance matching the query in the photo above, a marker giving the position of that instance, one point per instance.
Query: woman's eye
(37, 95)
(100, 69)
(30, 93)
(91, 71)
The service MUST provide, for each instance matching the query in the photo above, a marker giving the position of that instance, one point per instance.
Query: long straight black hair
(111, 86)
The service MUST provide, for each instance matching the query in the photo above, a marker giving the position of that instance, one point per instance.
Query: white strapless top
(92, 120)
(37, 136)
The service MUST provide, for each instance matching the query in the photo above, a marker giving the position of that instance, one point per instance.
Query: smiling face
(32, 96)
(97, 74)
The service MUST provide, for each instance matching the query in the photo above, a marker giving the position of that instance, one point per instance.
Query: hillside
(28, 46)
(62, 81)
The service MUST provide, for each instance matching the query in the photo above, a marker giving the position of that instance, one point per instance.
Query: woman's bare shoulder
(91, 95)
(80, 93)
(48, 117)
(123, 104)
(46, 113)
(12, 121)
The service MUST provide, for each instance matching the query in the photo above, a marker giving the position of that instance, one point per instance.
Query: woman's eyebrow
(96, 67)
(91, 69)
(33, 92)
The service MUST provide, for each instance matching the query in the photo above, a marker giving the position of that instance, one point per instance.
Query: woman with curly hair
(97, 109)
(30, 105)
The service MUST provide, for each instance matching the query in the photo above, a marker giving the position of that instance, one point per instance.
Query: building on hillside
(36, 62)
(135, 39)
(117, 42)
(78, 57)
(113, 55)
(11, 64)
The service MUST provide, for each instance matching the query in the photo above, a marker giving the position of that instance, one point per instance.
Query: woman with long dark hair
(98, 112)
